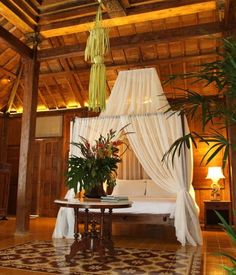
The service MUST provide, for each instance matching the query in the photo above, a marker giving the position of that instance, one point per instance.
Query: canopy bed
(137, 100)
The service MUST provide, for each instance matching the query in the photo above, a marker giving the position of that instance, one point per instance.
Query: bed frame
(158, 219)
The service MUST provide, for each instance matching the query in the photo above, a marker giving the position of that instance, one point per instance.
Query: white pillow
(133, 188)
(154, 190)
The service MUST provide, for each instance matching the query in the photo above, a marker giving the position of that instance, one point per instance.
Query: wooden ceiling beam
(63, 5)
(137, 40)
(147, 6)
(32, 6)
(146, 63)
(15, 43)
(15, 16)
(75, 26)
(61, 15)
(31, 15)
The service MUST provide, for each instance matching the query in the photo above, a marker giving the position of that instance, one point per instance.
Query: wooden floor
(140, 236)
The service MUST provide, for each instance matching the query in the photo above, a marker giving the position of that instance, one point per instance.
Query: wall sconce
(215, 174)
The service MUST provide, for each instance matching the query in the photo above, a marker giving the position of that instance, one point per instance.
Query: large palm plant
(222, 106)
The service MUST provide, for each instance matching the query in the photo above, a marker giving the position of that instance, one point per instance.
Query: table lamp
(215, 174)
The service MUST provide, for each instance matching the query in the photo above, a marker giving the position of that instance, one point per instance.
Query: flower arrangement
(98, 163)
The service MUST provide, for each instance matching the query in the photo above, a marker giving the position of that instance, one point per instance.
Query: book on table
(111, 198)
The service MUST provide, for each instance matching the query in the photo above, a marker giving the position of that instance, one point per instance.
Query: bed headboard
(139, 188)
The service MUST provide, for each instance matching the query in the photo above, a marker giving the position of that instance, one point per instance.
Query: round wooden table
(92, 239)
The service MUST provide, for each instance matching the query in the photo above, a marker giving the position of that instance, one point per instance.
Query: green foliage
(97, 164)
(222, 74)
(232, 234)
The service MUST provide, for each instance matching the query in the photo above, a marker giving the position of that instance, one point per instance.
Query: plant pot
(96, 192)
(109, 190)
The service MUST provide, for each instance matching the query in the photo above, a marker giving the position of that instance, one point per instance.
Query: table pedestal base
(93, 240)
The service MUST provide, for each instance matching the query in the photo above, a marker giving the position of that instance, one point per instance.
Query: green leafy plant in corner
(232, 235)
(220, 107)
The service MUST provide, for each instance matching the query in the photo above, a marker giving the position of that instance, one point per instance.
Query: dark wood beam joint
(114, 8)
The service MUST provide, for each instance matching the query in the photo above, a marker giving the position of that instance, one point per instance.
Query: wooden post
(3, 141)
(31, 72)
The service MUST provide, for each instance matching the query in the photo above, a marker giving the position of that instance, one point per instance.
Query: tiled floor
(141, 236)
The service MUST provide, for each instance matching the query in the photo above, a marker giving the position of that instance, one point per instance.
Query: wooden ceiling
(171, 35)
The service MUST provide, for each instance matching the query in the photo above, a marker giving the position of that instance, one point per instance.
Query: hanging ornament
(97, 47)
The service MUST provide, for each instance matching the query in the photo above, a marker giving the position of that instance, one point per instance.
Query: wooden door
(48, 165)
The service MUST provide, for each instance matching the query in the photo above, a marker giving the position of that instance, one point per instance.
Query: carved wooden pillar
(31, 73)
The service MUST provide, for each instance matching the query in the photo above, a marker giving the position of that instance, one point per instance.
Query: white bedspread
(153, 205)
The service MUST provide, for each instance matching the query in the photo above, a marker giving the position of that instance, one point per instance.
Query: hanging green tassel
(97, 46)
(97, 87)
(98, 40)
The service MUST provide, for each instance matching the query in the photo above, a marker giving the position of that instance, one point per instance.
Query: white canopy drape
(137, 99)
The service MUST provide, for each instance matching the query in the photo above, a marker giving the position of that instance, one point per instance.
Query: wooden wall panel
(2, 140)
(50, 164)
(200, 183)
(13, 152)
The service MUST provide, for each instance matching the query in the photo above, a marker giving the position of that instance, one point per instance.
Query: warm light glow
(42, 108)
(5, 81)
(19, 110)
(73, 105)
(215, 173)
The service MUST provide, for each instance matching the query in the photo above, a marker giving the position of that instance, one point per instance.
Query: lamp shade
(215, 173)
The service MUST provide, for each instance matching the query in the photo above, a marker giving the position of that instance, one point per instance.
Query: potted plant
(97, 165)
(218, 110)
(232, 235)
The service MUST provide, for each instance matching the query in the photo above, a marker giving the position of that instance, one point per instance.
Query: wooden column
(3, 140)
(31, 73)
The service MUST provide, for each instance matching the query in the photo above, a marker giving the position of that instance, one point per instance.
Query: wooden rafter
(15, 43)
(7, 72)
(27, 11)
(137, 40)
(14, 89)
(75, 26)
(153, 62)
(50, 94)
(15, 16)
(61, 15)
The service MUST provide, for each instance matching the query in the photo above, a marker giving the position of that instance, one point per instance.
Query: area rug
(45, 256)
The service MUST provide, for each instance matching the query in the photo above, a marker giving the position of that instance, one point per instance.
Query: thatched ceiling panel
(118, 56)
(192, 47)
(207, 16)
(176, 49)
(148, 52)
(143, 27)
(209, 44)
(158, 25)
(54, 65)
(132, 55)
(126, 30)
(163, 50)
(173, 22)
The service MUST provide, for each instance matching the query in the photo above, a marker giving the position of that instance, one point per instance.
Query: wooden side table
(210, 218)
(93, 238)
